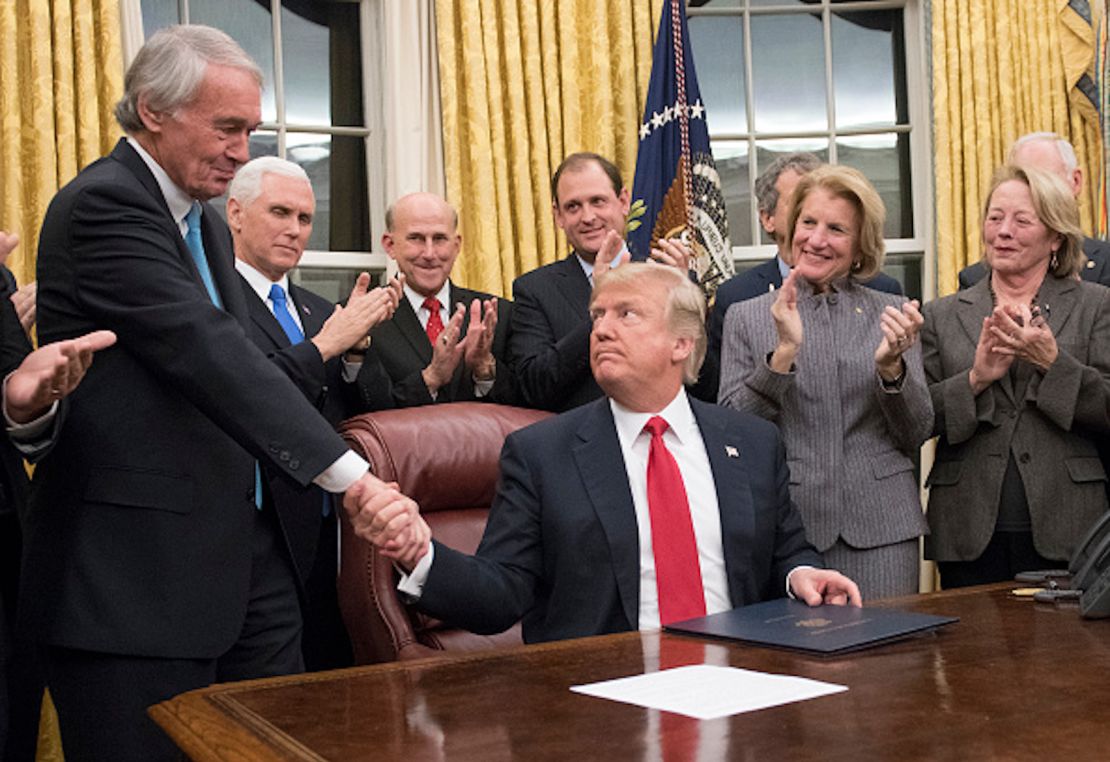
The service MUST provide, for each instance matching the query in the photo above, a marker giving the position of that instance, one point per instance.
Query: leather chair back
(446, 458)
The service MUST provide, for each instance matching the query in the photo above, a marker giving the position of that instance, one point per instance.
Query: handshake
(381, 514)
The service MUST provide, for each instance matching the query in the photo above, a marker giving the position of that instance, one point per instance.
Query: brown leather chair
(445, 457)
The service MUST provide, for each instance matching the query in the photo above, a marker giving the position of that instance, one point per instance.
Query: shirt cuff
(340, 475)
(412, 584)
(32, 432)
(349, 370)
(483, 387)
(789, 591)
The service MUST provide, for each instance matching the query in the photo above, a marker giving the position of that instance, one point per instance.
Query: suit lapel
(769, 271)
(975, 304)
(261, 316)
(601, 466)
(408, 324)
(311, 320)
(734, 497)
(1057, 299)
(574, 285)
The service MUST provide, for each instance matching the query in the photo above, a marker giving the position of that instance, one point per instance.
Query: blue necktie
(281, 312)
(295, 336)
(196, 248)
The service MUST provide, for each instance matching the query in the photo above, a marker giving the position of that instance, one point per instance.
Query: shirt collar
(784, 269)
(178, 201)
(677, 414)
(258, 282)
(417, 300)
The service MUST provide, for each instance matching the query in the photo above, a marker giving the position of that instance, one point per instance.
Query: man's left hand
(50, 373)
(817, 586)
(478, 355)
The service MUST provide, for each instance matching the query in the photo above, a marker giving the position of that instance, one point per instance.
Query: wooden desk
(1012, 680)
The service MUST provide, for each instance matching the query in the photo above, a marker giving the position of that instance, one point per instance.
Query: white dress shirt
(683, 440)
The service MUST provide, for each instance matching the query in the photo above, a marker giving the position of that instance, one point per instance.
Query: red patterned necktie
(677, 570)
(435, 322)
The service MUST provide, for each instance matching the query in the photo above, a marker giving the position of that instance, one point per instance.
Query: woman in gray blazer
(1019, 372)
(838, 367)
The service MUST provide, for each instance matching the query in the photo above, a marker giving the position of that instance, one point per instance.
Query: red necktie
(435, 323)
(677, 571)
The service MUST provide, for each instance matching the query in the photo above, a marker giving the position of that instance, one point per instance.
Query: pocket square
(731, 451)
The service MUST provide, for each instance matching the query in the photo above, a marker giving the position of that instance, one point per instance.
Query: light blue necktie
(196, 248)
(295, 336)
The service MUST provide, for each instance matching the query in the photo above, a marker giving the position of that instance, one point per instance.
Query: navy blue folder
(786, 623)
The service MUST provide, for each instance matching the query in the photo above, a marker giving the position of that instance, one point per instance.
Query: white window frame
(918, 86)
(370, 24)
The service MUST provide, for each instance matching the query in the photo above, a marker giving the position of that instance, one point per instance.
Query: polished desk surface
(1012, 680)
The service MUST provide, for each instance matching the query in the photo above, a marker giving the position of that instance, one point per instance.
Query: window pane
(765, 3)
(337, 167)
(157, 14)
(322, 62)
(869, 85)
(249, 24)
(788, 65)
(718, 45)
(333, 285)
(715, 3)
(767, 151)
(731, 157)
(885, 160)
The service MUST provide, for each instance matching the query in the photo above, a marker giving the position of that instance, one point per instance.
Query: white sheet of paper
(707, 692)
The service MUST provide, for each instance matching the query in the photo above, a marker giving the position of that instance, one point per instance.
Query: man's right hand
(50, 373)
(382, 515)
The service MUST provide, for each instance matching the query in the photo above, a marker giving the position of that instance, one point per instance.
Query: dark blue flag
(677, 191)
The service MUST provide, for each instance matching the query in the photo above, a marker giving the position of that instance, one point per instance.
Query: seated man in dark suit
(1050, 152)
(445, 343)
(270, 209)
(638, 509)
(549, 342)
(774, 190)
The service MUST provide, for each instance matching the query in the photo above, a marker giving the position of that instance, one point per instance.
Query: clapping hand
(900, 328)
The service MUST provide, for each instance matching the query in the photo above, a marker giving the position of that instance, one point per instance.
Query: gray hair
(1067, 153)
(765, 190)
(685, 308)
(170, 67)
(247, 183)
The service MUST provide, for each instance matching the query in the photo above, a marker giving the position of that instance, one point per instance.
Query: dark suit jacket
(14, 346)
(399, 351)
(1097, 269)
(299, 508)
(140, 521)
(1051, 426)
(749, 284)
(561, 547)
(550, 340)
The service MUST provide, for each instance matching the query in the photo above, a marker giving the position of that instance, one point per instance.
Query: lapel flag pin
(731, 451)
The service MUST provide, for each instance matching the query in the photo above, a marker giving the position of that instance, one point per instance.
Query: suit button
(1024, 457)
(273, 448)
(294, 464)
(284, 455)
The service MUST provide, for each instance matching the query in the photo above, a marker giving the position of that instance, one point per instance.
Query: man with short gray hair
(152, 565)
(270, 211)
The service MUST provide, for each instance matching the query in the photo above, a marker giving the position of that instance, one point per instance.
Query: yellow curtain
(523, 84)
(998, 73)
(60, 74)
